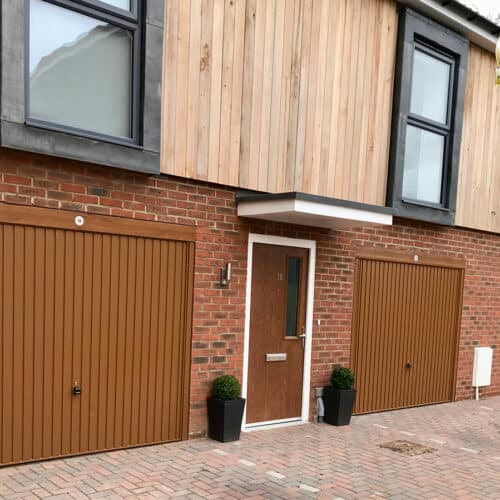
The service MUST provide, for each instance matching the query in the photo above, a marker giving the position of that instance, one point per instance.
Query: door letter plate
(276, 356)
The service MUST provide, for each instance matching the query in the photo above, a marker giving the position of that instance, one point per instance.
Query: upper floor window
(83, 67)
(428, 107)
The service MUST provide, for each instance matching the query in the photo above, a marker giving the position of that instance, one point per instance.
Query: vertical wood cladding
(478, 197)
(109, 313)
(286, 95)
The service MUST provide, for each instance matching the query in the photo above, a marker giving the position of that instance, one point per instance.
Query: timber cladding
(405, 333)
(286, 95)
(103, 309)
(478, 197)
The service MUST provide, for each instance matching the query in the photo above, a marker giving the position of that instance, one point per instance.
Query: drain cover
(407, 448)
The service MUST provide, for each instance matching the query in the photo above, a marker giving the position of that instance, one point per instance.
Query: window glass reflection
(430, 87)
(80, 71)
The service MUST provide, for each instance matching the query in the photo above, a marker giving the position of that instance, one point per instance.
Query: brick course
(218, 322)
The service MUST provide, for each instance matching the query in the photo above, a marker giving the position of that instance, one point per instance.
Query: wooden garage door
(105, 306)
(405, 330)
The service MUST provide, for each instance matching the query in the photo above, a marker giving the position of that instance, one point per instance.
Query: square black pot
(338, 404)
(224, 419)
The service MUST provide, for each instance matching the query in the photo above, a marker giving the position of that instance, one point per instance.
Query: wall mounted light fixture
(225, 275)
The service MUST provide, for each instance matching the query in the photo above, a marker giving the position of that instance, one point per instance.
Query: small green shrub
(342, 378)
(226, 387)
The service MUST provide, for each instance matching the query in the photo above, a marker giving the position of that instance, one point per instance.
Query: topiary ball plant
(226, 387)
(342, 378)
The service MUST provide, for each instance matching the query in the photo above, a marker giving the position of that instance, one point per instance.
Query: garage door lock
(76, 390)
(409, 364)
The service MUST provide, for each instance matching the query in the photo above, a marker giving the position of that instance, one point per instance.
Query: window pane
(292, 296)
(80, 71)
(430, 85)
(121, 4)
(423, 167)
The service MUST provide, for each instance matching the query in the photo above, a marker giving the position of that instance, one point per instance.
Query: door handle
(409, 364)
(303, 337)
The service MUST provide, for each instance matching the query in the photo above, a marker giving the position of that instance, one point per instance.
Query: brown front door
(277, 326)
(405, 330)
(104, 307)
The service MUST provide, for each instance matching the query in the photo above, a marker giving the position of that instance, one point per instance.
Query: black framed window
(83, 68)
(427, 121)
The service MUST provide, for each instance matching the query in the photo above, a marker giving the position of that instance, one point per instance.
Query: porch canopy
(311, 210)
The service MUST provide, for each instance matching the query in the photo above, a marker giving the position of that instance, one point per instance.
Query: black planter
(339, 404)
(224, 419)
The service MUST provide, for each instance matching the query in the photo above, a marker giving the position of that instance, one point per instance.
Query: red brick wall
(222, 237)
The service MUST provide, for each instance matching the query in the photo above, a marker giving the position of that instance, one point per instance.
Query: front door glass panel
(292, 296)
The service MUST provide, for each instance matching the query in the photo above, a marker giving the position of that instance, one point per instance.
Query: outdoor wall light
(498, 62)
(225, 275)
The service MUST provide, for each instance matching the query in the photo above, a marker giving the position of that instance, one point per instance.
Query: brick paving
(304, 461)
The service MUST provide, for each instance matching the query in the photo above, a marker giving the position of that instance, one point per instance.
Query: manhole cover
(407, 448)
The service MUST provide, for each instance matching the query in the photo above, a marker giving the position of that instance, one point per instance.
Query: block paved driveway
(304, 461)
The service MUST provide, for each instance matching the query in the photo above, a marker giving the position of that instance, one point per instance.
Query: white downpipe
(477, 393)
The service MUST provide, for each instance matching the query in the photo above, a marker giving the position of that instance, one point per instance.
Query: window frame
(417, 32)
(103, 6)
(129, 21)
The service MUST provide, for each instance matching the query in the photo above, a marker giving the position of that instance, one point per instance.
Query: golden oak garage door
(95, 324)
(406, 316)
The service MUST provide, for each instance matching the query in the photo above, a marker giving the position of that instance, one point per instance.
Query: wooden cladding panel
(108, 312)
(478, 198)
(404, 313)
(285, 95)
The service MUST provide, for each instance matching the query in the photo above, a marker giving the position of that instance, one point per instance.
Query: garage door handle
(76, 391)
(409, 364)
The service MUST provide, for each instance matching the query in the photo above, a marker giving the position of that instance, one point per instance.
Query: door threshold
(273, 424)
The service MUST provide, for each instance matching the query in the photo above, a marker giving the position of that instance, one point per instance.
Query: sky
(487, 8)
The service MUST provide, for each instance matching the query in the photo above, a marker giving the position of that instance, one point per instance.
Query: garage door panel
(160, 375)
(68, 292)
(405, 312)
(39, 333)
(123, 275)
(169, 334)
(128, 379)
(102, 311)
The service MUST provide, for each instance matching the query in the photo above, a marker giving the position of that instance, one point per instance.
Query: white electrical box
(483, 359)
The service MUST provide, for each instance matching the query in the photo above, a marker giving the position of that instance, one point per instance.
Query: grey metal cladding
(13, 41)
(16, 134)
(412, 27)
(152, 88)
(37, 140)
(155, 12)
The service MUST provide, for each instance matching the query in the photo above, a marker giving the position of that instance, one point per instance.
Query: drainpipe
(320, 407)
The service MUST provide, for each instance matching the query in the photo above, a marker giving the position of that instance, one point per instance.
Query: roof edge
(478, 29)
(243, 196)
